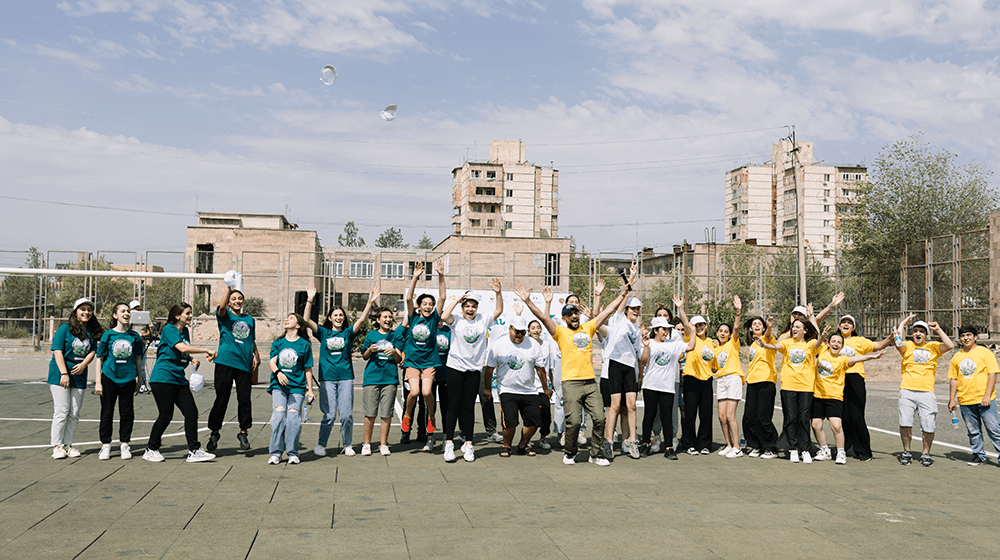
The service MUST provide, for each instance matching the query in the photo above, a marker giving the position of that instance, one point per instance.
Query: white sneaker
(692, 451)
(654, 446)
(59, 452)
(568, 459)
(754, 453)
(793, 456)
(469, 451)
(105, 453)
(293, 460)
(767, 455)
(544, 444)
(152, 456)
(199, 455)
(562, 439)
(273, 460)
(429, 446)
(320, 451)
(497, 437)
(841, 457)
(449, 452)
(633, 449)
(384, 450)
(72, 452)
(126, 451)
(616, 438)
(823, 454)
(725, 450)
(806, 458)
(735, 453)
(366, 449)
(581, 439)
(349, 451)
(599, 461)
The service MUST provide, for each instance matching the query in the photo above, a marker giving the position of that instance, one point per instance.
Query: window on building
(509, 176)
(491, 175)
(826, 177)
(392, 270)
(826, 269)
(736, 207)
(826, 192)
(338, 299)
(204, 258)
(826, 254)
(356, 302)
(508, 192)
(733, 221)
(826, 223)
(333, 269)
(428, 270)
(477, 207)
(826, 239)
(791, 240)
(734, 237)
(489, 223)
(847, 192)
(475, 223)
(362, 269)
(475, 173)
(203, 295)
(491, 208)
(510, 208)
(508, 225)
(857, 176)
(826, 207)
(790, 223)
(846, 176)
(552, 269)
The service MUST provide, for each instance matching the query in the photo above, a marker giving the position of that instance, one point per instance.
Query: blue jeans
(336, 397)
(286, 424)
(972, 414)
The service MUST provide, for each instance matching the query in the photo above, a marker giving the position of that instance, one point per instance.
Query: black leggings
(758, 414)
(855, 429)
(463, 386)
(697, 404)
(545, 426)
(796, 408)
(167, 395)
(657, 401)
(225, 376)
(125, 395)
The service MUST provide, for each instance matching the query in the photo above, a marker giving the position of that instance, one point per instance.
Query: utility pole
(800, 218)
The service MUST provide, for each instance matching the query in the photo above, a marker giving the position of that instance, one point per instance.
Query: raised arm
(865, 357)
(884, 343)
(448, 314)
(815, 324)
(547, 296)
(372, 298)
(946, 343)
(900, 333)
(442, 288)
(604, 314)
(524, 295)
(833, 303)
(598, 292)
(738, 304)
(411, 304)
(498, 292)
(307, 311)
(224, 302)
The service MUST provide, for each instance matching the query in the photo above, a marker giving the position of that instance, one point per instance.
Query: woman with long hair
(171, 388)
(73, 348)
(696, 381)
(381, 376)
(421, 358)
(119, 354)
(762, 379)
(336, 372)
(856, 434)
(729, 381)
(291, 383)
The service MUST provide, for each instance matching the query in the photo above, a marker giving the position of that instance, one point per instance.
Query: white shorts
(922, 402)
(729, 387)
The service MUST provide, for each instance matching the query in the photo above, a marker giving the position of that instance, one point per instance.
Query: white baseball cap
(801, 309)
(469, 296)
(82, 301)
(633, 302)
(698, 319)
(519, 323)
(658, 322)
(921, 324)
(851, 317)
(133, 304)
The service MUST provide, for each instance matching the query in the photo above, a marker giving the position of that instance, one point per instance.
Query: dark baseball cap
(569, 308)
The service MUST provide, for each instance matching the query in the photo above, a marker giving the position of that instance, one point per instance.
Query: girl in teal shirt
(116, 379)
(291, 383)
(421, 358)
(72, 351)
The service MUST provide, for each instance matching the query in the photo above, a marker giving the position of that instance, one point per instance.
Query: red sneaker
(430, 426)
(406, 424)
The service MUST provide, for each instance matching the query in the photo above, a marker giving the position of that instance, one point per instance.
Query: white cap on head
(82, 301)
(658, 322)
(469, 296)
(519, 323)
(698, 319)
(921, 324)
(133, 304)
(849, 317)
(801, 309)
(633, 302)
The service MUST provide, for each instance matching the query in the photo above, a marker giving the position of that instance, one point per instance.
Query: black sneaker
(976, 461)
(607, 450)
(905, 458)
(244, 441)
(926, 460)
(404, 438)
(644, 449)
(213, 441)
(670, 454)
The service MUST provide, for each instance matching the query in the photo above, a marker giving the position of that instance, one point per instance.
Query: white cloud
(67, 56)
(140, 84)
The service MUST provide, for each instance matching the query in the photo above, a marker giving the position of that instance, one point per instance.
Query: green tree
(350, 238)
(20, 291)
(425, 242)
(783, 281)
(107, 290)
(162, 295)
(255, 307)
(391, 238)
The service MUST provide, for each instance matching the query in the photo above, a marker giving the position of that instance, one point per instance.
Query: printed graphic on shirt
(287, 358)
(335, 344)
(722, 357)
(632, 336)
(515, 360)
(471, 333)
(921, 356)
(421, 333)
(661, 358)
(797, 355)
(581, 340)
(825, 368)
(707, 354)
(121, 349)
(753, 353)
(241, 330)
(443, 342)
(80, 347)
(848, 351)
(967, 367)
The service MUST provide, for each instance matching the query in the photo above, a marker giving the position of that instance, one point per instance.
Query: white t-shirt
(544, 360)
(468, 342)
(662, 372)
(515, 365)
(624, 341)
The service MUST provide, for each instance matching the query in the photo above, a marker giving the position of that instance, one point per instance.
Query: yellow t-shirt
(798, 365)
(830, 375)
(857, 346)
(577, 350)
(728, 358)
(919, 365)
(761, 363)
(700, 362)
(972, 370)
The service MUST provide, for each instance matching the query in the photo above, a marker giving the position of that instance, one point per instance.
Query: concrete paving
(414, 505)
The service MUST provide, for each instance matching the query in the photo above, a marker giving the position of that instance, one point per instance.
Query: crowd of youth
(542, 367)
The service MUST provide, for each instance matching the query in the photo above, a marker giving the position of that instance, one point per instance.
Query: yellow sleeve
(953, 367)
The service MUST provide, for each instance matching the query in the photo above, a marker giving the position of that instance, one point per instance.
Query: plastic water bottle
(305, 411)
(897, 339)
(954, 419)
(743, 441)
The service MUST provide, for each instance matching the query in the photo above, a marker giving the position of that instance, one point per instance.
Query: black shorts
(605, 392)
(621, 379)
(827, 408)
(527, 405)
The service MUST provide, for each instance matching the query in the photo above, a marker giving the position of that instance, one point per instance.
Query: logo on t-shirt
(632, 336)
(335, 343)
(581, 340)
(753, 353)
(421, 333)
(722, 357)
(848, 351)
(797, 355)
(661, 358)
(80, 347)
(287, 358)
(825, 368)
(967, 367)
(707, 354)
(921, 356)
(444, 343)
(121, 349)
(471, 333)
(515, 360)
(241, 330)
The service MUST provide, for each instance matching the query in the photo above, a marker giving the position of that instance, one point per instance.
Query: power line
(76, 205)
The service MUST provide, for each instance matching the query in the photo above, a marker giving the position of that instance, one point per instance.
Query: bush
(14, 332)
(254, 306)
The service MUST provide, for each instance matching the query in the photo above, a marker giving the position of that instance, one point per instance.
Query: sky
(120, 119)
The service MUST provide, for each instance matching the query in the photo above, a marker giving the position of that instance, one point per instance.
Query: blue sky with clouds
(167, 106)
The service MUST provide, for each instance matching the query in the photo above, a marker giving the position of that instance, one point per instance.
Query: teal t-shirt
(119, 350)
(74, 351)
(380, 369)
(335, 353)
(421, 342)
(170, 364)
(237, 334)
(293, 359)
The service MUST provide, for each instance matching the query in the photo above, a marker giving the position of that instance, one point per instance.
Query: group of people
(450, 358)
